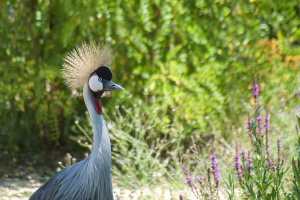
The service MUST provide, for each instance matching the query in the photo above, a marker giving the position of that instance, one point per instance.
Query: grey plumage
(87, 65)
(89, 179)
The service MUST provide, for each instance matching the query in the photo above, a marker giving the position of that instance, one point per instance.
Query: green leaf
(296, 189)
(298, 121)
(229, 196)
(257, 112)
(226, 183)
(295, 170)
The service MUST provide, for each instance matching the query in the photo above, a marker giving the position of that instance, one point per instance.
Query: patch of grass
(27, 193)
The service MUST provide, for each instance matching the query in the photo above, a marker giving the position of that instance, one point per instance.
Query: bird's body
(89, 179)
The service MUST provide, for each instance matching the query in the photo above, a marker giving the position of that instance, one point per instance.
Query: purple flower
(249, 161)
(278, 152)
(237, 167)
(243, 155)
(267, 127)
(237, 164)
(267, 136)
(199, 179)
(255, 89)
(189, 181)
(188, 178)
(249, 129)
(282, 160)
(180, 197)
(186, 172)
(236, 157)
(239, 177)
(278, 143)
(242, 169)
(215, 169)
(267, 119)
(258, 119)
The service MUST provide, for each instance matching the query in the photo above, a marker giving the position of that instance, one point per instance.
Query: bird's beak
(111, 86)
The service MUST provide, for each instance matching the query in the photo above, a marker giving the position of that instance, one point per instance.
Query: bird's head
(88, 64)
(100, 81)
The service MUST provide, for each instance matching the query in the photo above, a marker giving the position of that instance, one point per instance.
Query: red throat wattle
(98, 105)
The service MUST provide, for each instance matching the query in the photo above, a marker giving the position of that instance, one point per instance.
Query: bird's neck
(94, 107)
(101, 138)
(100, 157)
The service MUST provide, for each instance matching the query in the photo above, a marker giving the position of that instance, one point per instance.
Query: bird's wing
(46, 193)
(51, 190)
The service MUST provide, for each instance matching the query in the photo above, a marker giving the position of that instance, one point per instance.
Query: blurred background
(187, 68)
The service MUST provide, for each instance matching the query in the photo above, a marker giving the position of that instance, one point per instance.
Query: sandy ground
(16, 189)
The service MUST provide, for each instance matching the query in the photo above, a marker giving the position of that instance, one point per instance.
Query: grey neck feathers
(99, 161)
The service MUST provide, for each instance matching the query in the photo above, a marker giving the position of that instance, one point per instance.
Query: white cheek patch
(95, 85)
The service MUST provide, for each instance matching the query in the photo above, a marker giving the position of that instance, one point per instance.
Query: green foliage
(296, 167)
(230, 186)
(186, 65)
(262, 178)
(195, 57)
(259, 176)
(296, 182)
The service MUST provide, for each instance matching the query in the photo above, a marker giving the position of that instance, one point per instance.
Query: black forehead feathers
(104, 72)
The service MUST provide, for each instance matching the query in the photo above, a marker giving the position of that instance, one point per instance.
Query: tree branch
(34, 46)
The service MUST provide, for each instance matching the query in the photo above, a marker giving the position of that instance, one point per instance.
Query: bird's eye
(95, 83)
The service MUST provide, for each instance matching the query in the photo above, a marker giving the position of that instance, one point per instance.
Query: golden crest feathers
(82, 61)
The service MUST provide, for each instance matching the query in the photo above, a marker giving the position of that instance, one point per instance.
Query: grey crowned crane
(88, 66)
